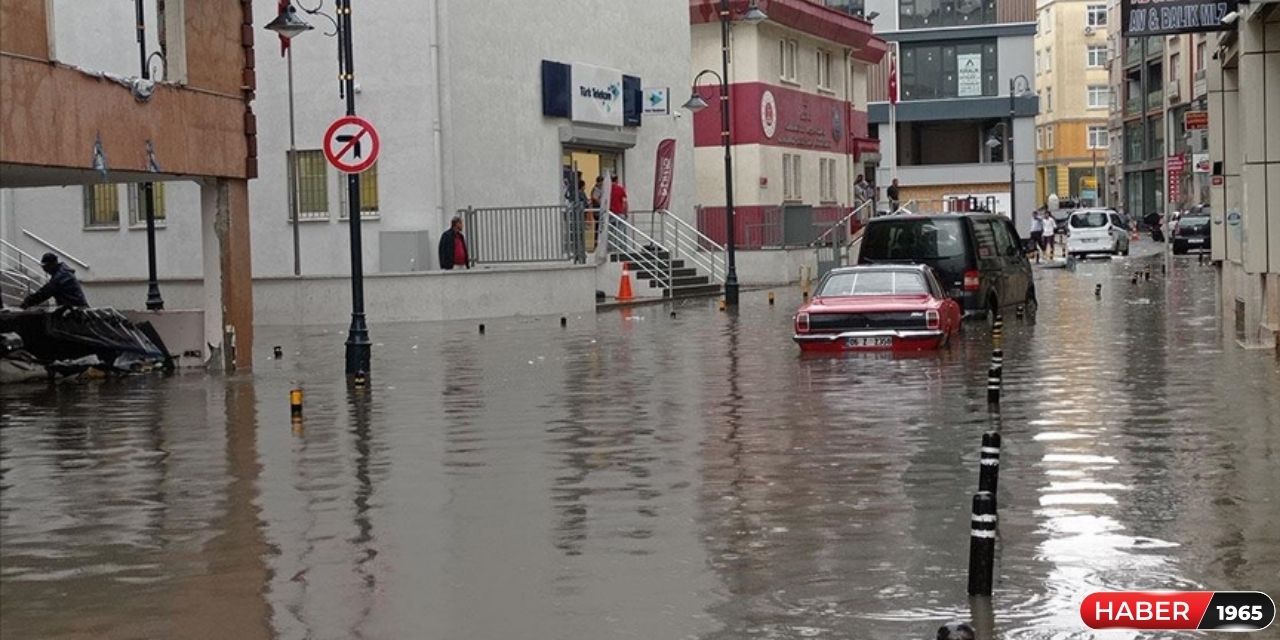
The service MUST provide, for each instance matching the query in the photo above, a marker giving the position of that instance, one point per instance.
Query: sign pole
(358, 347)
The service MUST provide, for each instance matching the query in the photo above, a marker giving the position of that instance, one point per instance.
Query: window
(1096, 56)
(1200, 57)
(1155, 138)
(788, 51)
(1048, 59)
(1097, 136)
(137, 206)
(101, 206)
(368, 194)
(313, 185)
(930, 14)
(1048, 20)
(1099, 96)
(1039, 62)
(1096, 15)
(824, 69)
(827, 179)
(948, 70)
(1039, 138)
(790, 176)
(1048, 98)
(1134, 144)
(1048, 137)
(875, 283)
(1175, 63)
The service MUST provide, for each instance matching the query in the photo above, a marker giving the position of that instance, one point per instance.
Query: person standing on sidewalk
(892, 192)
(453, 247)
(1037, 232)
(1050, 229)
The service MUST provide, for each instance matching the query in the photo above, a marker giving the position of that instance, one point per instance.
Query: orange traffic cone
(624, 285)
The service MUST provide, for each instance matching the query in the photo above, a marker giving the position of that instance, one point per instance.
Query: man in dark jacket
(453, 247)
(62, 286)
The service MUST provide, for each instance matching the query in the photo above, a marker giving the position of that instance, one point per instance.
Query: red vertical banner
(281, 8)
(893, 76)
(664, 172)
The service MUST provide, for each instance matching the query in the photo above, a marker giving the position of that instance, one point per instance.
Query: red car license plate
(870, 342)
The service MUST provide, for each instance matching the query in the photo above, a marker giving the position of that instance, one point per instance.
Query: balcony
(1199, 86)
(1133, 106)
(1132, 55)
(1155, 100)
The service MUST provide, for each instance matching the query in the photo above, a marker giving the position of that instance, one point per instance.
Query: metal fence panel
(504, 235)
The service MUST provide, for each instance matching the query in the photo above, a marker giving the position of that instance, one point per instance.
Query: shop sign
(969, 78)
(597, 95)
(1202, 163)
(1139, 18)
(657, 101)
(1193, 120)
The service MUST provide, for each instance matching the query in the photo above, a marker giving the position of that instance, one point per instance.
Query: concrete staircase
(685, 281)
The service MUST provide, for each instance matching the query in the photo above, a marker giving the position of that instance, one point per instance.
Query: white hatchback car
(1096, 231)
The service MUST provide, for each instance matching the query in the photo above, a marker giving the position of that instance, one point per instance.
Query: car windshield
(930, 239)
(874, 283)
(1191, 222)
(1089, 220)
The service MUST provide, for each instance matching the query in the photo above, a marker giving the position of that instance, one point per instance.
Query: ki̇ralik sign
(1140, 18)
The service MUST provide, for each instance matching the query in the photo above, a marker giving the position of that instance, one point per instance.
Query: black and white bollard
(1097, 290)
(956, 631)
(993, 387)
(481, 329)
(277, 352)
(989, 463)
(1147, 275)
(564, 321)
(1134, 279)
(982, 544)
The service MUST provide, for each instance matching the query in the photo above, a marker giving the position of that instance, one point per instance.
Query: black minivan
(978, 257)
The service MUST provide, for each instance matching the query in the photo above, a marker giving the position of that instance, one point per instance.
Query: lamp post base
(731, 290)
(358, 346)
(154, 301)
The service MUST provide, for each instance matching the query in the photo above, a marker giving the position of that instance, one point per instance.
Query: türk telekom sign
(1140, 18)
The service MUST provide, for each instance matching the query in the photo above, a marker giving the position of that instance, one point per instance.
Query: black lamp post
(146, 190)
(287, 24)
(695, 104)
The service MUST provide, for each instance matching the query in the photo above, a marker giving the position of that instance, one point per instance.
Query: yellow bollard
(295, 401)
(771, 298)
(723, 306)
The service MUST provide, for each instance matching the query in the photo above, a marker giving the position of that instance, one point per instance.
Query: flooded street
(636, 475)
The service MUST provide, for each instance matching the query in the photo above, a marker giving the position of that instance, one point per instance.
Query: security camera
(1231, 18)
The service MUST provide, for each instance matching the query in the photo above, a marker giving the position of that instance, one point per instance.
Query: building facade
(82, 126)
(797, 86)
(1072, 81)
(1243, 78)
(466, 119)
(965, 77)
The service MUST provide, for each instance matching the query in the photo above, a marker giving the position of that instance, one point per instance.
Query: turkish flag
(281, 8)
(893, 78)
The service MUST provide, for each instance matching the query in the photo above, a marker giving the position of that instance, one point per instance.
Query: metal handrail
(839, 224)
(905, 207)
(619, 233)
(696, 247)
(84, 265)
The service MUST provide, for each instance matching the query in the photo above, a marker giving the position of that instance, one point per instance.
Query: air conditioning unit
(1088, 30)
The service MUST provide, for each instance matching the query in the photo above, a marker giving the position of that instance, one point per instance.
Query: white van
(1096, 231)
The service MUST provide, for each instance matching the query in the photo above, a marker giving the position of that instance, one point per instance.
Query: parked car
(877, 308)
(1095, 231)
(977, 257)
(1191, 231)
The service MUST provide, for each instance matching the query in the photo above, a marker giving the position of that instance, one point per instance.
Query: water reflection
(639, 475)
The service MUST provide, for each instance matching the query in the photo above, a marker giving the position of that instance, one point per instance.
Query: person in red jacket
(618, 199)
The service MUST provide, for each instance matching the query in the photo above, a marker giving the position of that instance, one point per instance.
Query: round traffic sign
(351, 144)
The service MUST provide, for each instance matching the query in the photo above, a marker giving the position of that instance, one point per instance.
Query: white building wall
(498, 148)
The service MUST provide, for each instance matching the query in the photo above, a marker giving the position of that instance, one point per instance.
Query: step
(676, 272)
(693, 292)
(632, 257)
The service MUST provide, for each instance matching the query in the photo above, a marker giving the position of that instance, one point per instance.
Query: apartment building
(1072, 81)
(966, 99)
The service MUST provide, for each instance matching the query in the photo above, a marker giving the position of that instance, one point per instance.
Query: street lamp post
(695, 104)
(287, 24)
(146, 190)
(1014, 92)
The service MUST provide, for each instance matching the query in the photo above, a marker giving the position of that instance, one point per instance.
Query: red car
(877, 308)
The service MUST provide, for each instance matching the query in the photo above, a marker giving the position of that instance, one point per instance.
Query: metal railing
(52, 247)
(20, 274)
(774, 230)
(638, 248)
(504, 235)
(834, 234)
(684, 242)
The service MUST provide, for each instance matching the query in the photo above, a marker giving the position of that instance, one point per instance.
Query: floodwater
(636, 475)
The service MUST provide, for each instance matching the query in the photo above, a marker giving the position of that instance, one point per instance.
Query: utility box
(797, 225)
(405, 251)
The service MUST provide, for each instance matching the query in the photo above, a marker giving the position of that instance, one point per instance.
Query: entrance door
(588, 165)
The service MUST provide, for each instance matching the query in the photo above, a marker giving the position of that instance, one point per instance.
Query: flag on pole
(893, 77)
(281, 8)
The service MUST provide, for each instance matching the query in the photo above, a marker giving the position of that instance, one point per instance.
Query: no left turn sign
(351, 144)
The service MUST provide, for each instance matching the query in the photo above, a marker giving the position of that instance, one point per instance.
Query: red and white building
(798, 121)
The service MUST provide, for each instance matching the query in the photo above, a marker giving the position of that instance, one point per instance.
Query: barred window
(138, 207)
(101, 206)
(313, 184)
(368, 194)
